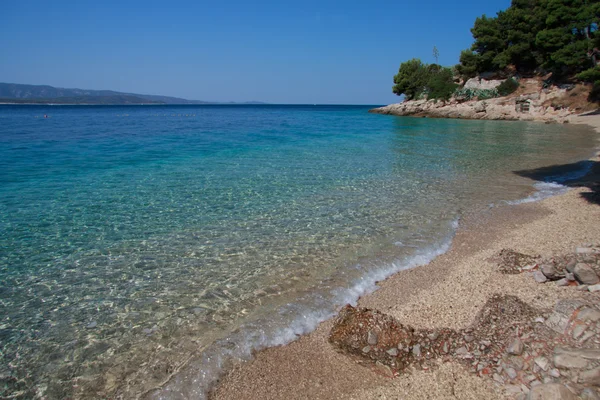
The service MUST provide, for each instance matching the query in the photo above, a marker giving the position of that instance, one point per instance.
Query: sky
(293, 52)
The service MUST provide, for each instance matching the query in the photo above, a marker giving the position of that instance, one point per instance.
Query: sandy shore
(445, 293)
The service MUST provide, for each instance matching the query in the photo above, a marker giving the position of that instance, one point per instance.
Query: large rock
(355, 329)
(551, 391)
(585, 274)
(477, 83)
(551, 272)
(591, 377)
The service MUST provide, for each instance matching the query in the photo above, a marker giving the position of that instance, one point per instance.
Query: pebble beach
(450, 294)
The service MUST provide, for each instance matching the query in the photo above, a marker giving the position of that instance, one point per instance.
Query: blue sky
(340, 52)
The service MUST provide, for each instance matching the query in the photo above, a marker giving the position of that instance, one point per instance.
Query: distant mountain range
(43, 94)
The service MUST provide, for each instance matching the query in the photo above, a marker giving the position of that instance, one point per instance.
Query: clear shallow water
(142, 243)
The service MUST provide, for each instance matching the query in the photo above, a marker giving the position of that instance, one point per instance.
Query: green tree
(414, 79)
(411, 79)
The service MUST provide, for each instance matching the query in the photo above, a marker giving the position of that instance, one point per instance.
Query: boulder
(585, 274)
(551, 272)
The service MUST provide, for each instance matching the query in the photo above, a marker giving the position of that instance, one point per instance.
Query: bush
(469, 94)
(507, 87)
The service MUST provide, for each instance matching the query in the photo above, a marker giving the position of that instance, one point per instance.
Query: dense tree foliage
(531, 36)
(414, 78)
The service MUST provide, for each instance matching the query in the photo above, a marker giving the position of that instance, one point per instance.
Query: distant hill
(44, 94)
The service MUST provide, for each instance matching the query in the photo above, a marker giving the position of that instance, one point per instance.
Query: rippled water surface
(140, 245)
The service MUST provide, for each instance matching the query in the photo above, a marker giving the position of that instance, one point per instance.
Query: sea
(144, 249)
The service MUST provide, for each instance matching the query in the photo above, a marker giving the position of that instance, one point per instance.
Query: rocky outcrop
(503, 108)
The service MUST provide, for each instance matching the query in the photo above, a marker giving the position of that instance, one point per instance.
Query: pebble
(469, 338)
(91, 325)
(372, 338)
(578, 331)
(433, 336)
(539, 277)
(542, 362)
(512, 374)
(569, 276)
(392, 352)
(461, 351)
(417, 350)
(593, 288)
(515, 347)
(445, 348)
(562, 282)
(540, 320)
(366, 349)
(554, 373)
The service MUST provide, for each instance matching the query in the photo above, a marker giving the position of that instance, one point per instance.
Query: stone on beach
(585, 274)
(515, 347)
(551, 391)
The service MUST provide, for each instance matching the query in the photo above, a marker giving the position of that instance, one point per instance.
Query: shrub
(507, 87)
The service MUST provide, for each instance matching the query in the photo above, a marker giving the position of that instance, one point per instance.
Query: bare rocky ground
(528, 353)
(550, 105)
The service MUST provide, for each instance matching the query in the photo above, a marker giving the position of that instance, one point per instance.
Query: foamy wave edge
(554, 185)
(289, 323)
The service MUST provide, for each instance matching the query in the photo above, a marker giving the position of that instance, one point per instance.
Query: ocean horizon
(146, 246)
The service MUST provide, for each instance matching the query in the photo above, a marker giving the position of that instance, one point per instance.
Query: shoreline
(455, 284)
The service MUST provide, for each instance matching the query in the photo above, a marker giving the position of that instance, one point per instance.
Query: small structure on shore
(522, 105)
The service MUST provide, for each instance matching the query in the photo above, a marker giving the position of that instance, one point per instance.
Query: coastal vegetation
(554, 39)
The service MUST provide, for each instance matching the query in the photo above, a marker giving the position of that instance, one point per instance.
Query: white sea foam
(554, 185)
(285, 325)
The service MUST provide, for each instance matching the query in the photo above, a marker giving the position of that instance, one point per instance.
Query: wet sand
(448, 292)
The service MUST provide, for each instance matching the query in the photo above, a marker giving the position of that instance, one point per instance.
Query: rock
(515, 347)
(569, 276)
(539, 277)
(433, 335)
(497, 378)
(589, 314)
(461, 351)
(585, 274)
(551, 391)
(571, 266)
(568, 361)
(578, 331)
(562, 282)
(392, 352)
(91, 325)
(512, 374)
(416, 350)
(593, 288)
(591, 377)
(551, 272)
(469, 338)
(372, 338)
(589, 394)
(554, 373)
(542, 362)
(366, 349)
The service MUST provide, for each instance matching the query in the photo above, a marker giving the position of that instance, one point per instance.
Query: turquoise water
(142, 246)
